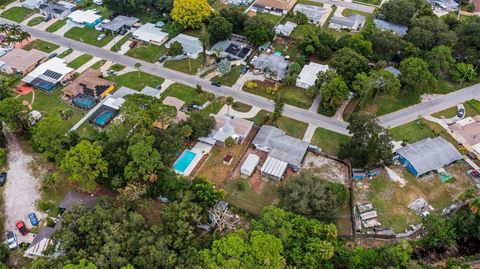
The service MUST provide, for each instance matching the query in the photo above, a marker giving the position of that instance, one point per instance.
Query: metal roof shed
(273, 168)
(249, 165)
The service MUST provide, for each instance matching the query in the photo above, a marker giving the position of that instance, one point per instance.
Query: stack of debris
(368, 216)
(421, 207)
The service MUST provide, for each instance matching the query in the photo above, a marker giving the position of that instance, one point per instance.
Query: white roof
(191, 45)
(476, 147)
(309, 73)
(148, 33)
(249, 165)
(274, 167)
(84, 16)
(56, 65)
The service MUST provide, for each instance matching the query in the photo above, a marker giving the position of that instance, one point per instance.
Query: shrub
(50, 222)
(251, 84)
(3, 253)
(271, 90)
(241, 185)
(3, 156)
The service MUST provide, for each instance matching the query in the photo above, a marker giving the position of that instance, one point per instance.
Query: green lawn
(215, 106)
(117, 67)
(230, 78)
(183, 92)
(56, 26)
(119, 44)
(98, 64)
(291, 95)
(290, 126)
(411, 132)
(41, 45)
(329, 141)
(241, 107)
(35, 21)
(447, 113)
(472, 108)
(79, 61)
(269, 17)
(88, 35)
(290, 51)
(373, 2)
(188, 66)
(201, 33)
(149, 53)
(65, 53)
(17, 14)
(136, 80)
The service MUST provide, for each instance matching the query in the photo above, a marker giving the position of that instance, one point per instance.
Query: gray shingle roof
(274, 63)
(429, 154)
(118, 22)
(351, 21)
(398, 29)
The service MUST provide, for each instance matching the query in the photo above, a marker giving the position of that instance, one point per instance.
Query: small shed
(273, 168)
(248, 167)
(358, 174)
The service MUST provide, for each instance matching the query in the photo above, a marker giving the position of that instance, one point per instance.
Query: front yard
(188, 66)
(290, 126)
(56, 26)
(411, 132)
(41, 45)
(329, 141)
(88, 35)
(188, 94)
(149, 53)
(79, 61)
(136, 80)
(291, 95)
(17, 14)
(230, 78)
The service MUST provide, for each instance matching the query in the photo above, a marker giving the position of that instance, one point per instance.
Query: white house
(192, 46)
(248, 166)
(308, 75)
(149, 33)
(48, 74)
(32, 4)
(88, 18)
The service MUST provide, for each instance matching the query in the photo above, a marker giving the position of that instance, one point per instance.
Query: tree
(13, 34)
(138, 66)
(230, 102)
(440, 233)
(50, 136)
(468, 45)
(230, 142)
(399, 11)
(175, 49)
(348, 63)
(356, 43)
(379, 81)
(205, 193)
(364, 258)
(278, 108)
(219, 28)
(200, 123)
(170, 142)
(190, 13)
(4, 90)
(387, 45)
(258, 30)
(370, 144)
(397, 255)
(440, 60)
(293, 71)
(12, 112)
(429, 31)
(312, 196)
(83, 264)
(3, 156)
(415, 75)
(145, 161)
(462, 71)
(236, 17)
(84, 164)
(301, 18)
(334, 92)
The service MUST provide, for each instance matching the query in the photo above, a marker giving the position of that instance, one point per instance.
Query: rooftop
(398, 29)
(149, 32)
(314, 13)
(272, 62)
(469, 129)
(84, 16)
(89, 82)
(309, 73)
(227, 127)
(286, 5)
(191, 45)
(119, 22)
(53, 70)
(351, 21)
(393, 70)
(285, 29)
(21, 59)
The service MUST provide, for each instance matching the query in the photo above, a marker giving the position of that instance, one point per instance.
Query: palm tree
(13, 33)
(230, 102)
(138, 65)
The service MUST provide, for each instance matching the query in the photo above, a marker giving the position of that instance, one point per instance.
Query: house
(21, 61)
(178, 104)
(444, 5)
(393, 70)
(397, 29)
(352, 22)
(313, 13)
(274, 66)
(308, 75)
(148, 33)
(49, 74)
(467, 131)
(192, 46)
(427, 155)
(285, 29)
(248, 166)
(277, 6)
(120, 24)
(43, 239)
(32, 4)
(274, 168)
(282, 149)
(60, 9)
(234, 48)
(88, 18)
(225, 127)
(87, 89)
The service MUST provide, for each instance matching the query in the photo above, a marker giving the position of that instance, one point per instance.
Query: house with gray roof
(427, 155)
(313, 13)
(285, 29)
(397, 29)
(119, 24)
(60, 9)
(352, 22)
(274, 66)
(192, 46)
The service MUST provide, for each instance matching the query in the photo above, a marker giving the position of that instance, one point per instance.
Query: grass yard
(373, 2)
(215, 106)
(411, 132)
(346, 12)
(56, 26)
(136, 80)
(183, 92)
(41, 45)
(149, 53)
(290, 51)
(201, 33)
(119, 44)
(472, 108)
(269, 17)
(98, 64)
(447, 113)
(88, 35)
(439, 131)
(329, 141)
(79, 61)
(241, 107)
(291, 95)
(117, 67)
(290, 126)
(249, 200)
(65, 53)
(188, 66)
(35, 21)
(17, 14)
(230, 78)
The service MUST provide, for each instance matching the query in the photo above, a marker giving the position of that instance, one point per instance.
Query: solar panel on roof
(233, 49)
(52, 74)
(243, 53)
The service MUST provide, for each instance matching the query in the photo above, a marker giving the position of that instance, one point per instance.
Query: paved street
(349, 5)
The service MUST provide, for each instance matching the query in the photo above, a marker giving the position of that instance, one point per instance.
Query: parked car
(133, 44)
(158, 87)
(12, 240)
(100, 37)
(314, 149)
(21, 227)
(3, 178)
(216, 83)
(33, 219)
(47, 18)
(53, 55)
(162, 59)
(472, 155)
(461, 113)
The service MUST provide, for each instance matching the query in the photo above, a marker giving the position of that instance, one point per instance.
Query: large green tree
(379, 81)
(334, 92)
(415, 75)
(429, 31)
(200, 123)
(356, 43)
(190, 13)
(258, 30)
(462, 71)
(348, 63)
(145, 161)
(236, 16)
(399, 11)
(440, 233)
(13, 113)
(50, 136)
(440, 60)
(220, 28)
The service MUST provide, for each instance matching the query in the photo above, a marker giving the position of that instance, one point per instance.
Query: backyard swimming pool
(184, 161)
(104, 118)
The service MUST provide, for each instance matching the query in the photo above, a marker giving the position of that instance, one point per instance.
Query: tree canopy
(190, 13)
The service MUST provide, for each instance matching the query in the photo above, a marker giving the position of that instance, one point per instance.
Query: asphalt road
(349, 5)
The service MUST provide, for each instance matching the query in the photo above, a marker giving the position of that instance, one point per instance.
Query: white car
(12, 240)
(100, 37)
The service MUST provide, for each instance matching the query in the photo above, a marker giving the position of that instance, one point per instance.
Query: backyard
(183, 92)
(269, 17)
(136, 80)
(329, 141)
(188, 66)
(41, 45)
(56, 26)
(17, 14)
(79, 61)
(88, 35)
(290, 126)
(291, 95)
(149, 53)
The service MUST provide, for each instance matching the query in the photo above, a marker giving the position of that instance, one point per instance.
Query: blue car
(33, 219)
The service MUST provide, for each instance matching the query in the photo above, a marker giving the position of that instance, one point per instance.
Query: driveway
(21, 190)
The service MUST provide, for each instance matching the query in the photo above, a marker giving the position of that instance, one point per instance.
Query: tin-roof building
(427, 155)
(285, 29)
(88, 18)
(308, 75)
(60, 9)
(393, 70)
(225, 127)
(248, 166)
(119, 24)
(148, 33)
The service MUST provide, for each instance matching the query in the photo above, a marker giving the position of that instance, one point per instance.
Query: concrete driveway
(21, 190)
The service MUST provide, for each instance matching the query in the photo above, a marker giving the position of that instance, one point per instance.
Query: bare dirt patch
(326, 168)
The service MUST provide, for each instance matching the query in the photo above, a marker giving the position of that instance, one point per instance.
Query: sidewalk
(244, 115)
(307, 137)
(87, 65)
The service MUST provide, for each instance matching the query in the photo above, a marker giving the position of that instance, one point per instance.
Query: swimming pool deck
(200, 149)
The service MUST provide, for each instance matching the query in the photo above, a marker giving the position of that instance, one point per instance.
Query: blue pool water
(184, 161)
(103, 119)
(277, 53)
(84, 102)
